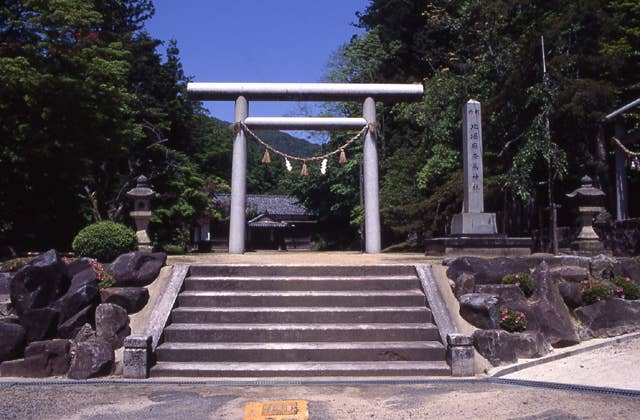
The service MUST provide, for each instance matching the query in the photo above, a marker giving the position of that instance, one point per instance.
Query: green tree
(65, 116)
(490, 51)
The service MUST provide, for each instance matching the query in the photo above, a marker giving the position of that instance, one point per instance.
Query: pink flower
(517, 276)
(518, 283)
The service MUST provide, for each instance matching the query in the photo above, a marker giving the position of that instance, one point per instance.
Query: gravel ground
(443, 400)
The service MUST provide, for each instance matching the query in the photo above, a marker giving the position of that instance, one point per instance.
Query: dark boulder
(13, 368)
(610, 317)
(495, 346)
(40, 324)
(112, 324)
(39, 283)
(569, 260)
(570, 294)
(489, 271)
(85, 333)
(90, 359)
(500, 267)
(10, 319)
(506, 293)
(46, 358)
(569, 273)
(550, 310)
(82, 292)
(604, 268)
(78, 266)
(529, 344)
(12, 341)
(69, 328)
(631, 269)
(469, 265)
(5, 281)
(137, 269)
(480, 310)
(6, 308)
(132, 299)
(464, 284)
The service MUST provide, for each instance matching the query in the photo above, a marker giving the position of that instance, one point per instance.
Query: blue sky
(256, 41)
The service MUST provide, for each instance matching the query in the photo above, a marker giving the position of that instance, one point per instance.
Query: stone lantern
(589, 200)
(141, 196)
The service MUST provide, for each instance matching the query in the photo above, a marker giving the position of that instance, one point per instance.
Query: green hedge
(104, 241)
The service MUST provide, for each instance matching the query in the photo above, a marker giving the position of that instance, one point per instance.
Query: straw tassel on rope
(266, 158)
(304, 171)
(343, 157)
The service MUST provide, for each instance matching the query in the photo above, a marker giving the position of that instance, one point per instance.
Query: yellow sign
(277, 410)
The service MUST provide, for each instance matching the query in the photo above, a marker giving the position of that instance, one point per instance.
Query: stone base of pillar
(137, 357)
(474, 224)
(460, 354)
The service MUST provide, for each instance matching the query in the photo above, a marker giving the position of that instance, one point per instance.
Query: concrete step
(299, 332)
(306, 369)
(301, 314)
(303, 283)
(300, 270)
(302, 298)
(300, 352)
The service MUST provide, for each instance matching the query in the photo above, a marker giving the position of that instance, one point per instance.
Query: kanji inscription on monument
(473, 219)
(472, 151)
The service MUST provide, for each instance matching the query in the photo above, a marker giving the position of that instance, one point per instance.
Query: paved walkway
(616, 365)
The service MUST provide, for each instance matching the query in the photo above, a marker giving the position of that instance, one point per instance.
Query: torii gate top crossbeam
(305, 91)
(305, 123)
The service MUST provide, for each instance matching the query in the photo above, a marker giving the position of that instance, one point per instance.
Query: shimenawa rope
(241, 125)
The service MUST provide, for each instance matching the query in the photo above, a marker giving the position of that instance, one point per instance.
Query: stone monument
(473, 220)
(474, 232)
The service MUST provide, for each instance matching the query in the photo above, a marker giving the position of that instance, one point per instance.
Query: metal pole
(237, 223)
(370, 158)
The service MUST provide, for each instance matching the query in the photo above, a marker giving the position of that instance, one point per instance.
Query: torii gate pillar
(237, 222)
(370, 164)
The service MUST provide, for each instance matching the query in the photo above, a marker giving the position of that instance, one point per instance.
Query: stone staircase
(291, 321)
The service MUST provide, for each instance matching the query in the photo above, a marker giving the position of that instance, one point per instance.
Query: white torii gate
(242, 93)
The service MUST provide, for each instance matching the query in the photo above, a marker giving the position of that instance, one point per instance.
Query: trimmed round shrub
(104, 241)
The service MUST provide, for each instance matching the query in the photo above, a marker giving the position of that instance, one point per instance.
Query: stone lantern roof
(586, 189)
(587, 194)
(141, 190)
